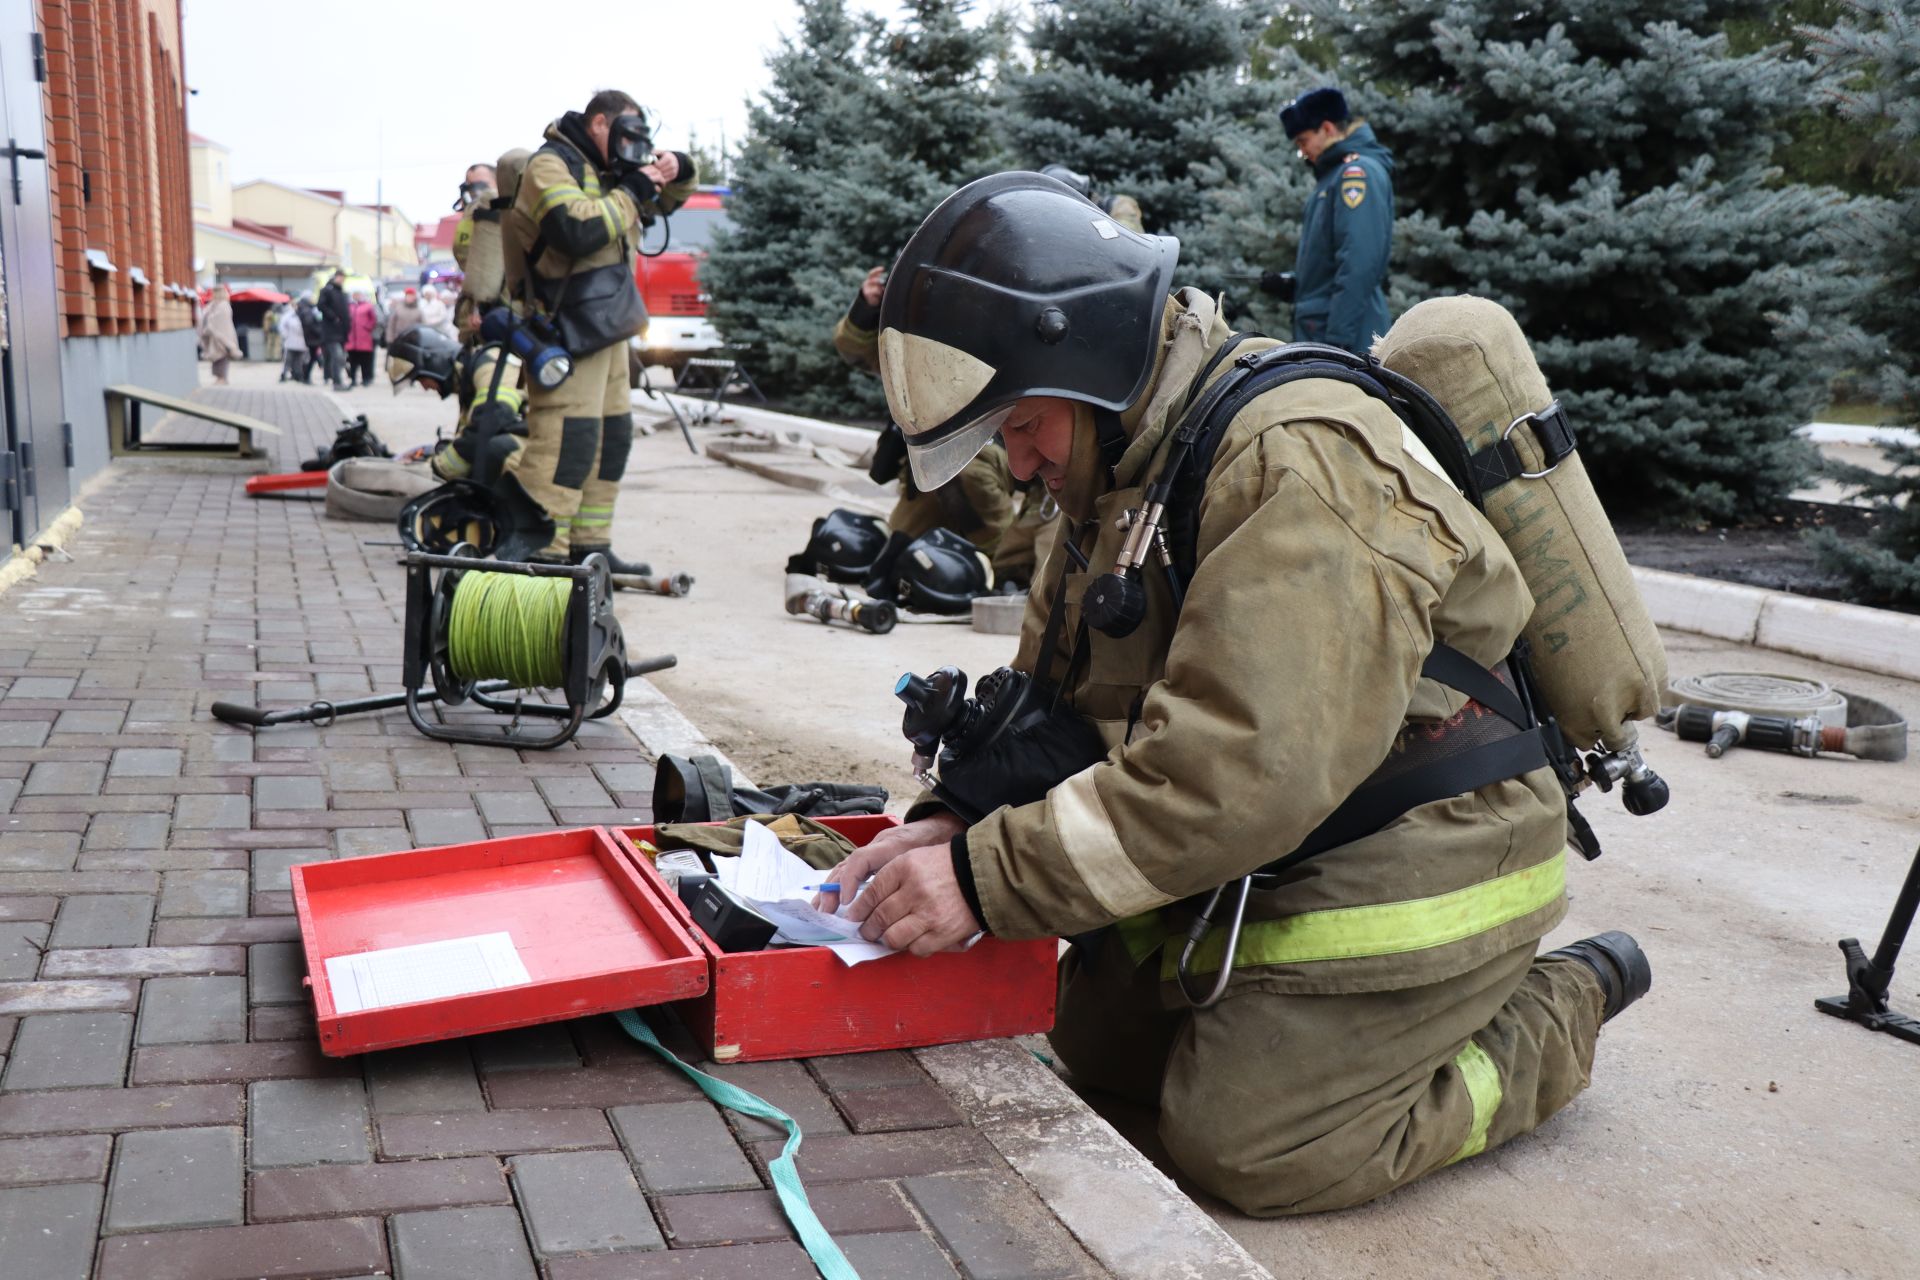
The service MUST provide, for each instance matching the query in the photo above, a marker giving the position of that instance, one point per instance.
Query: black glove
(637, 184)
(889, 455)
(1279, 284)
(1019, 766)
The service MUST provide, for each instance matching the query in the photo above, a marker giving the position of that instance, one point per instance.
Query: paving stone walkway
(165, 1113)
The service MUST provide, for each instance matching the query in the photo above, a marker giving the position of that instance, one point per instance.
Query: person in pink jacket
(362, 322)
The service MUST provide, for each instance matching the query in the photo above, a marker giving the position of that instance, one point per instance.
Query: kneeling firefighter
(568, 243)
(472, 504)
(1271, 628)
(484, 379)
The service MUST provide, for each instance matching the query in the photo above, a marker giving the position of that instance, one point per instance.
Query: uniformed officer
(485, 383)
(1388, 1014)
(981, 504)
(1338, 282)
(569, 244)
(478, 186)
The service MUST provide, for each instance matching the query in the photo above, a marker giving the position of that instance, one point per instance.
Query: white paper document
(776, 883)
(424, 971)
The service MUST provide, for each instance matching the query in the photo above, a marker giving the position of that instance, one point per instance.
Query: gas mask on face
(629, 141)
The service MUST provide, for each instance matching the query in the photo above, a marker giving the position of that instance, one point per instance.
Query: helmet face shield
(939, 461)
(1015, 287)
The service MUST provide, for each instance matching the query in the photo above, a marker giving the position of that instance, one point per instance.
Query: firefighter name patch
(1353, 185)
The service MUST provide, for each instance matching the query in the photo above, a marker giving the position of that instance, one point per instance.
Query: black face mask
(629, 141)
(469, 191)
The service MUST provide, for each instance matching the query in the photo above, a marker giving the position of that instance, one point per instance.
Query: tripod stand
(1868, 980)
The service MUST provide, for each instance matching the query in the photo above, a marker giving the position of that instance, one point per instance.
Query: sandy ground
(1730, 1131)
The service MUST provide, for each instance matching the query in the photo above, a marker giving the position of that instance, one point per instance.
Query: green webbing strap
(814, 1239)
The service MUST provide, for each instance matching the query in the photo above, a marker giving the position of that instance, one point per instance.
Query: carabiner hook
(1197, 933)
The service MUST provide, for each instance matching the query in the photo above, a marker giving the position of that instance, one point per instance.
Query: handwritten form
(425, 971)
(775, 882)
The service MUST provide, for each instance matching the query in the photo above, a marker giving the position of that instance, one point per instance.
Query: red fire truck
(677, 324)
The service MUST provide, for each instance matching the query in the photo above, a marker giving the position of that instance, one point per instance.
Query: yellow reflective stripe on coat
(1345, 933)
(556, 196)
(1483, 1086)
(508, 396)
(1141, 934)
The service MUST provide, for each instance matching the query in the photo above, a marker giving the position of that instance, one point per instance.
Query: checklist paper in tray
(424, 971)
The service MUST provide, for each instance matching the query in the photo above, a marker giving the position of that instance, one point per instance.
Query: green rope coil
(508, 626)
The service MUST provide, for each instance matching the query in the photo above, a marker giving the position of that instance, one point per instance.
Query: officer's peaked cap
(1015, 286)
(1312, 109)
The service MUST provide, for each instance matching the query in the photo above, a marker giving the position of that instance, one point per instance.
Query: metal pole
(1901, 920)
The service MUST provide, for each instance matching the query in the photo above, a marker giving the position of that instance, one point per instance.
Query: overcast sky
(339, 93)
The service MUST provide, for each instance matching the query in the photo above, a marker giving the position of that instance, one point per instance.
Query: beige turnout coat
(1329, 559)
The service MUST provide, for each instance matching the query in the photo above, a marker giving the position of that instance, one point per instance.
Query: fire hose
(1782, 713)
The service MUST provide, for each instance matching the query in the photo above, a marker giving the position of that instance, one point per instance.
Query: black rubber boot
(1616, 959)
(615, 565)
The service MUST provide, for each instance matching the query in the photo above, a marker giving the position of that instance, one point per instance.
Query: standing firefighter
(478, 248)
(1387, 1014)
(1338, 282)
(569, 244)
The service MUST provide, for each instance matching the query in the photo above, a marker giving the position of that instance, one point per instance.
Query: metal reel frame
(593, 651)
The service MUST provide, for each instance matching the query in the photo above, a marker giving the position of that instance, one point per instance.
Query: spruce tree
(1603, 168)
(861, 133)
(1875, 54)
(1135, 94)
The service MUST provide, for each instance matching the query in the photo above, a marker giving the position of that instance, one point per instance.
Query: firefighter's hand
(915, 904)
(664, 169)
(874, 286)
(939, 828)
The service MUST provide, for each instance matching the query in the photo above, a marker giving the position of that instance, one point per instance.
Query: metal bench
(718, 375)
(123, 426)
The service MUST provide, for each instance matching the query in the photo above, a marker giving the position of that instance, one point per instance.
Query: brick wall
(115, 97)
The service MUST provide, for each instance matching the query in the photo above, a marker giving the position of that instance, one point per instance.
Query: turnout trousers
(1283, 1104)
(578, 437)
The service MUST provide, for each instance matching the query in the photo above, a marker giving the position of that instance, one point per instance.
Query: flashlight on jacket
(532, 340)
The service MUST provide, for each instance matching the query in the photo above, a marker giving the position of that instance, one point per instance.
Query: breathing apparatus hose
(510, 627)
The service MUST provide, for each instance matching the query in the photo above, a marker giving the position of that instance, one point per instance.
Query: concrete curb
(1128, 1215)
(781, 426)
(782, 466)
(25, 561)
(1850, 433)
(663, 729)
(1849, 635)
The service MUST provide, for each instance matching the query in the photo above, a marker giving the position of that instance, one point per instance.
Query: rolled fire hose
(1847, 722)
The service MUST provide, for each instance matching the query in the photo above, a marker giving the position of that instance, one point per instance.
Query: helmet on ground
(844, 546)
(941, 572)
(421, 352)
(442, 518)
(1015, 286)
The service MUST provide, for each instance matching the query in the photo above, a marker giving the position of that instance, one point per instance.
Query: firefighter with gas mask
(569, 242)
(477, 246)
(1387, 1013)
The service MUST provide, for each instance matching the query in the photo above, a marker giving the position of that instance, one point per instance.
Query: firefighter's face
(1039, 439)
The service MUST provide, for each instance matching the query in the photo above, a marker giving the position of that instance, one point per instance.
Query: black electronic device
(729, 921)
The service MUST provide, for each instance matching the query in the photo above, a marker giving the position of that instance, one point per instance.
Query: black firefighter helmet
(440, 519)
(844, 546)
(421, 352)
(941, 572)
(1015, 286)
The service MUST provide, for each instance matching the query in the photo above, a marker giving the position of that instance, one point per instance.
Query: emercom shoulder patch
(1353, 191)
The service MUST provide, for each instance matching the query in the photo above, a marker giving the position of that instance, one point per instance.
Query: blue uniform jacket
(1341, 270)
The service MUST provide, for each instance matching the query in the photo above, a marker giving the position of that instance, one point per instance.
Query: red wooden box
(595, 932)
(799, 1002)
